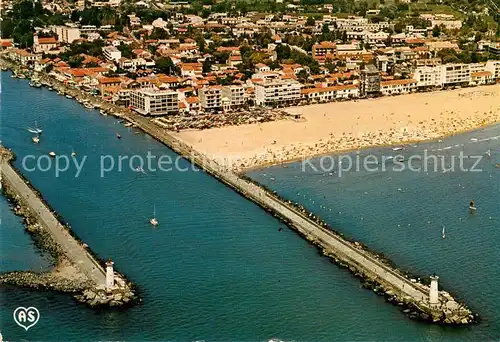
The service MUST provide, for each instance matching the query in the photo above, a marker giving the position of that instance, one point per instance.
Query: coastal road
(72, 248)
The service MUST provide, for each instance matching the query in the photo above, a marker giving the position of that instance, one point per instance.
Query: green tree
(310, 21)
(436, 31)
(166, 66)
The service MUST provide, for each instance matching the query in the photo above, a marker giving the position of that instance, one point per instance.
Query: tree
(75, 61)
(207, 65)
(126, 50)
(398, 27)
(310, 21)
(436, 31)
(165, 65)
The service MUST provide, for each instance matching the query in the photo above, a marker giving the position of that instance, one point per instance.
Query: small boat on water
(397, 148)
(128, 124)
(118, 136)
(52, 154)
(51, 89)
(103, 112)
(36, 139)
(21, 76)
(444, 234)
(69, 96)
(88, 105)
(154, 222)
(472, 206)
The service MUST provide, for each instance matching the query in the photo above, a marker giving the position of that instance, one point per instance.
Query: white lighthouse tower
(434, 292)
(110, 275)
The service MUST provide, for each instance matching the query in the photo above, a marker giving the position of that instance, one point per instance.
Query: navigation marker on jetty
(110, 275)
(433, 291)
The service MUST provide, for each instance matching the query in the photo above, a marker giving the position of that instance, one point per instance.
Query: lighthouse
(434, 292)
(110, 275)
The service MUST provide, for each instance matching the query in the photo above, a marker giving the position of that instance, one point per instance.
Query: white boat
(397, 148)
(88, 105)
(103, 112)
(69, 96)
(35, 139)
(21, 76)
(153, 220)
(444, 235)
(52, 154)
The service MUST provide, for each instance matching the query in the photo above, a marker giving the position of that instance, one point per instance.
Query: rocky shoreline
(65, 277)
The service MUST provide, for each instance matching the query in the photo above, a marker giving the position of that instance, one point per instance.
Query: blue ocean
(218, 268)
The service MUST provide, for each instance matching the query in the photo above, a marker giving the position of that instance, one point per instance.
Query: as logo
(26, 317)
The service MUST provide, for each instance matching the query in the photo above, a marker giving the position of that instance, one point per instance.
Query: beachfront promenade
(72, 248)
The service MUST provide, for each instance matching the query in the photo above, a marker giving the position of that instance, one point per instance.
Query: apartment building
(455, 74)
(427, 76)
(150, 101)
(369, 80)
(235, 94)
(210, 98)
(112, 53)
(395, 87)
(66, 34)
(328, 94)
(277, 92)
(324, 49)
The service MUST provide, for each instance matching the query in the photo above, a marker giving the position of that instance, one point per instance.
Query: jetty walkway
(75, 252)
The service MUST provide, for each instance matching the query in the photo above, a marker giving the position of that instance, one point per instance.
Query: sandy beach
(341, 126)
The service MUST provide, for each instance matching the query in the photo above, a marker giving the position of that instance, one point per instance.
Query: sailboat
(153, 220)
(444, 235)
(35, 130)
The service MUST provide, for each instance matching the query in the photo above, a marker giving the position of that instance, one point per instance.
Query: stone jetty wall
(76, 271)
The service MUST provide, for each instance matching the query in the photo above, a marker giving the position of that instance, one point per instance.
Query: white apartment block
(396, 87)
(112, 53)
(327, 94)
(148, 101)
(235, 94)
(66, 34)
(455, 74)
(427, 76)
(210, 97)
(442, 75)
(277, 92)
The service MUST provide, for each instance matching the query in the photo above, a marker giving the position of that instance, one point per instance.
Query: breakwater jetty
(77, 270)
(418, 300)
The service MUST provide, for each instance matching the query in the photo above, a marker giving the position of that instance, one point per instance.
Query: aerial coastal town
(194, 65)
(233, 85)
